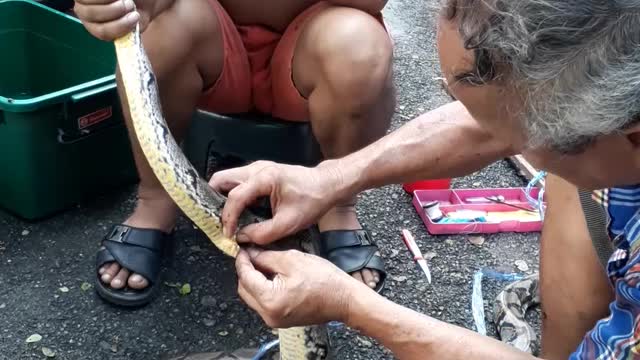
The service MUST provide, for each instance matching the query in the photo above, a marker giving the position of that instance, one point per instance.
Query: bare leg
(343, 66)
(185, 49)
(574, 289)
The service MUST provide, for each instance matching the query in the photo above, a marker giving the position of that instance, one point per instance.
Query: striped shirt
(618, 335)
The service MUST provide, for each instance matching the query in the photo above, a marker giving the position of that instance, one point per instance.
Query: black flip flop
(140, 251)
(351, 251)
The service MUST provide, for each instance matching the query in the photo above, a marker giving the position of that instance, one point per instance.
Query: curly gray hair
(576, 63)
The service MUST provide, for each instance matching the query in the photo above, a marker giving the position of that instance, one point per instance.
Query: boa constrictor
(182, 182)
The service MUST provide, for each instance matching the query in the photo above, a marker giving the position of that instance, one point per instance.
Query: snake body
(510, 309)
(182, 182)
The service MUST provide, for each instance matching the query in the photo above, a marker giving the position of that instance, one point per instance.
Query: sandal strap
(351, 250)
(338, 239)
(147, 238)
(138, 250)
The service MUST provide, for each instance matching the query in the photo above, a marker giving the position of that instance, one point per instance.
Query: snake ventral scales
(182, 182)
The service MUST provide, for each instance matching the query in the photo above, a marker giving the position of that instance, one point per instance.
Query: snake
(510, 308)
(191, 193)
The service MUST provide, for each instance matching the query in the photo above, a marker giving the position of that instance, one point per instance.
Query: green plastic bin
(62, 134)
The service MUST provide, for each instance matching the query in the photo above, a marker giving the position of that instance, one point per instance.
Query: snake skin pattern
(182, 182)
(510, 308)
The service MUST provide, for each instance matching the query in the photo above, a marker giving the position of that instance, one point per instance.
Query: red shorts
(256, 73)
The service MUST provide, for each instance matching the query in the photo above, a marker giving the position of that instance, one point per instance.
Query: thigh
(188, 34)
(327, 41)
(184, 47)
(575, 292)
(198, 57)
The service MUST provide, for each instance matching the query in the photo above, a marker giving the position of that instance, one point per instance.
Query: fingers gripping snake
(182, 182)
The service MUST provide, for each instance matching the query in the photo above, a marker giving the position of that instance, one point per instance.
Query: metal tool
(415, 251)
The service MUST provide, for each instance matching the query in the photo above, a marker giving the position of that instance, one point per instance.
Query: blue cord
(265, 348)
(536, 203)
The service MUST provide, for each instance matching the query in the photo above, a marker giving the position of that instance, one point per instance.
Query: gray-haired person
(555, 80)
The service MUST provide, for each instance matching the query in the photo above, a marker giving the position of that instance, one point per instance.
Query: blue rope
(264, 349)
(536, 203)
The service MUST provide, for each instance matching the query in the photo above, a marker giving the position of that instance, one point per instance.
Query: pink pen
(415, 251)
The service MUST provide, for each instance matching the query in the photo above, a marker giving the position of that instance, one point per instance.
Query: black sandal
(351, 251)
(138, 250)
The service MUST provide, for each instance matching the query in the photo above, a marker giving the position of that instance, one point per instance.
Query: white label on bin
(94, 118)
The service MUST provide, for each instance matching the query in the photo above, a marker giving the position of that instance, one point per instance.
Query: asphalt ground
(44, 264)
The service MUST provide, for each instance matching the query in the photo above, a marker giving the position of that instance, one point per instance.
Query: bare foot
(345, 218)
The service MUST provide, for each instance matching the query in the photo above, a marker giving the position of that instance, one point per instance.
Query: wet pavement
(43, 265)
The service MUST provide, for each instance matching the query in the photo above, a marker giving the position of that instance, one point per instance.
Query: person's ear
(633, 134)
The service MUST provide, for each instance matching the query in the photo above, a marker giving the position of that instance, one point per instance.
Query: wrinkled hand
(110, 19)
(299, 196)
(291, 288)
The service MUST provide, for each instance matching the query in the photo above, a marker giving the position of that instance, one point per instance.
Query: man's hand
(110, 19)
(291, 288)
(298, 195)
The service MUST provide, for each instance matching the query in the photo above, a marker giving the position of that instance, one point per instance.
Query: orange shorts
(256, 73)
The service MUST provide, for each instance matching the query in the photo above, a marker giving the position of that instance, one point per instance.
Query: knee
(185, 34)
(355, 55)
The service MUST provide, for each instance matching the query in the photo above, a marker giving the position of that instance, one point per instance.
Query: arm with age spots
(411, 335)
(445, 142)
(290, 288)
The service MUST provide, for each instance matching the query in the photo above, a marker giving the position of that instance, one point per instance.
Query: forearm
(411, 335)
(443, 143)
(370, 6)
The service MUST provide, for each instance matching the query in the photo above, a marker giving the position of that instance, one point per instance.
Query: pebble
(208, 322)
(25, 232)
(223, 306)
(105, 345)
(449, 242)
(64, 289)
(196, 248)
(208, 301)
(394, 253)
(399, 278)
(476, 240)
(522, 265)
(3, 305)
(365, 343)
(430, 255)
(223, 333)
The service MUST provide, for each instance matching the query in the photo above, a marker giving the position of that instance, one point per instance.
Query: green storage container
(62, 134)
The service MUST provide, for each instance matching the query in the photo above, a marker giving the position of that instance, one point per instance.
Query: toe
(121, 279)
(137, 281)
(368, 278)
(111, 270)
(357, 275)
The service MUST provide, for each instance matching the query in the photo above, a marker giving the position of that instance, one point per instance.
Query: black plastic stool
(216, 142)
